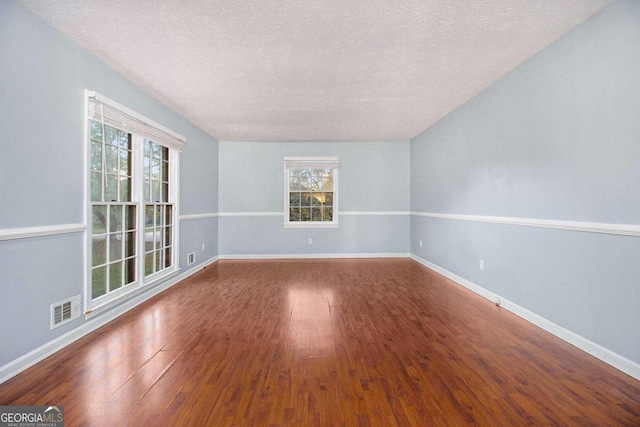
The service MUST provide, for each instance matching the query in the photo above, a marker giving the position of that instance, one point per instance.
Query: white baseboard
(625, 365)
(311, 256)
(24, 362)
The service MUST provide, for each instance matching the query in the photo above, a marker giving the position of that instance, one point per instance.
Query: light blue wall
(373, 177)
(42, 81)
(558, 138)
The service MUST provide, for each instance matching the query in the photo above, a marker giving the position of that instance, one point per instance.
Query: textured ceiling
(313, 70)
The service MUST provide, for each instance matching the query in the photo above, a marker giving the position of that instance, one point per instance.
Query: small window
(311, 191)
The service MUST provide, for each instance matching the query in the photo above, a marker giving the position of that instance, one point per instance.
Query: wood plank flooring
(325, 342)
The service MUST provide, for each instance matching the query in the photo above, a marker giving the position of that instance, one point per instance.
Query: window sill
(311, 225)
(125, 296)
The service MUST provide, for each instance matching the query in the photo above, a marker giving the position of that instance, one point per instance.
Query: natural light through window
(133, 189)
(311, 191)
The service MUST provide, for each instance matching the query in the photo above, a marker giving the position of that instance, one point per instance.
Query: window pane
(168, 215)
(328, 214)
(317, 199)
(294, 199)
(155, 192)
(96, 156)
(316, 214)
(148, 215)
(159, 216)
(115, 246)
(130, 217)
(111, 188)
(158, 238)
(168, 236)
(327, 182)
(115, 276)
(294, 214)
(305, 214)
(124, 139)
(148, 264)
(159, 260)
(129, 271)
(148, 239)
(124, 163)
(96, 187)
(147, 190)
(125, 189)
(98, 250)
(129, 244)
(111, 136)
(99, 222)
(304, 181)
(98, 281)
(164, 192)
(96, 130)
(316, 179)
(115, 218)
(155, 170)
(305, 199)
(167, 257)
(294, 183)
(165, 171)
(328, 199)
(111, 159)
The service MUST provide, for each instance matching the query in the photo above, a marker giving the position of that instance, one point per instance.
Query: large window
(133, 194)
(311, 191)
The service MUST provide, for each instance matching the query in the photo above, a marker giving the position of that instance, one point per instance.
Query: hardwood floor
(325, 342)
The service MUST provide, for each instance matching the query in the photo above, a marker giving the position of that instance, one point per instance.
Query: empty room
(296, 212)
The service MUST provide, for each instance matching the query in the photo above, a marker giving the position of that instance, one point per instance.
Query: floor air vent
(65, 311)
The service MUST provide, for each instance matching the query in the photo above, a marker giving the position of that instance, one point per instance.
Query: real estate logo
(31, 416)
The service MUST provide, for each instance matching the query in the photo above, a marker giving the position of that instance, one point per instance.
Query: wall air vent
(191, 258)
(65, 311)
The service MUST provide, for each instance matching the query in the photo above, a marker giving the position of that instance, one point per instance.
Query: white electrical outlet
(481, 264)
(420, 243)
(203, 246)
(310, 241)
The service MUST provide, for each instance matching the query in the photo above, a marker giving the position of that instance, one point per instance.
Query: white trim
(93, 96)
(129, 291)
(362, 213)
(349, 213)
(311, 163)
(310, 224)
(198, 216)
(24, 362)
(43, 231)
(234, 214)
(312, 256)
(590, 227)
(617, 361)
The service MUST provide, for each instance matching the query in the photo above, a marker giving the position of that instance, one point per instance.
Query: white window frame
(141, 128)
(332, 163)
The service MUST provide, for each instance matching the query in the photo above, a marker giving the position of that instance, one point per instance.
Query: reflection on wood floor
(324, 342)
